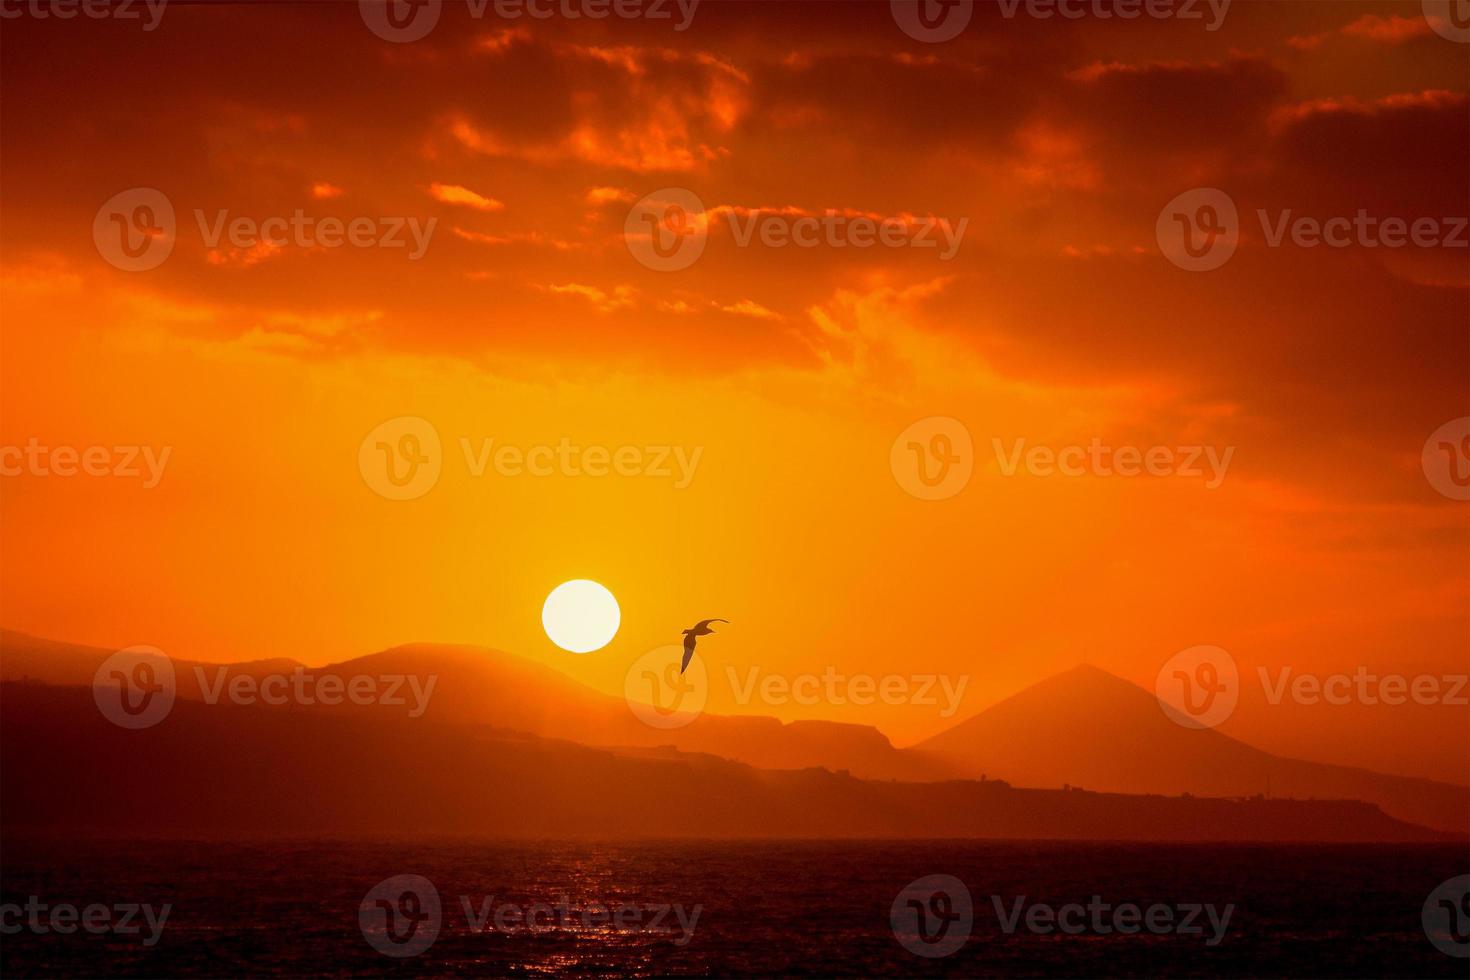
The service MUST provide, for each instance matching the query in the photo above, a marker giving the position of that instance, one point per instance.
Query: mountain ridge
(250, 772)
(1086, 726)
(1082, 727)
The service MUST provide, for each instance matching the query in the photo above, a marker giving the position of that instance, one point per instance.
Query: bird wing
(704, 623)
(688, 652)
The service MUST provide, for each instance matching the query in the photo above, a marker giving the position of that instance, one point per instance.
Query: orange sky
(790, 370)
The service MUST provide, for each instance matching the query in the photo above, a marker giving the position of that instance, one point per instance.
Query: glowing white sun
(581, 616)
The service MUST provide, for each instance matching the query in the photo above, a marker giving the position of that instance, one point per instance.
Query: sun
(581, 616)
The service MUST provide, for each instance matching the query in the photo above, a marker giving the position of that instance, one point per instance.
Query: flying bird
(700, 628)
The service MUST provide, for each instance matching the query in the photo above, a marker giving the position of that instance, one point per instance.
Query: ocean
(593, 909)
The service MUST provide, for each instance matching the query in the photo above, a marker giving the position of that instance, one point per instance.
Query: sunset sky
(790, 370)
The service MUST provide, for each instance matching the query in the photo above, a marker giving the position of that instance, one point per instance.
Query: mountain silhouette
(477, 686)
(1087, 727)
(55, 662)
(1084, 727)
(250, 772)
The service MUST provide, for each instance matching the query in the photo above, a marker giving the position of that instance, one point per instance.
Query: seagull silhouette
(700, 628)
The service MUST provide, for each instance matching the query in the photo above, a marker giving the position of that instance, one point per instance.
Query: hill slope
(474, 685)
(1087, 727)
(255, 772)
(1084, 727)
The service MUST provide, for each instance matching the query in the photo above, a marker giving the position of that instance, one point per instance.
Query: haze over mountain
(225, 770)
(475, 685)
(23, 656)
(1087, 727)
(1084, 727)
